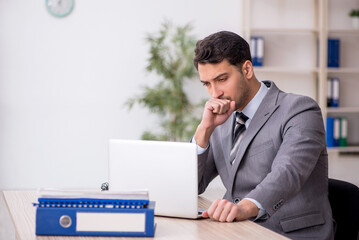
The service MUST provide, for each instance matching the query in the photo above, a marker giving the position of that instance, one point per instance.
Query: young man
(273, 159)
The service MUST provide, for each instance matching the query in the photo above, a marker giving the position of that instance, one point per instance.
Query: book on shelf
(333, 94)
(257, 51)
(336, 132)
(333, 52)
(343, 137)
(330, 131)
(94, 213)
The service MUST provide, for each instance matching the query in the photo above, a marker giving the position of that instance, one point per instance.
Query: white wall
(63, 82)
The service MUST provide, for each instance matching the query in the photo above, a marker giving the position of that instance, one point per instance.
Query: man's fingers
(218, 212)
(226, 210)
(222, 210)
(212, 208)
(232, 108)
(219, 106)
(233, 214)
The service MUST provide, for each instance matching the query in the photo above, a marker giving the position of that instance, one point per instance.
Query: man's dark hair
(222, 45)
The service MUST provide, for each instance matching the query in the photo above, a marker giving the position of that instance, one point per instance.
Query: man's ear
(247, 69)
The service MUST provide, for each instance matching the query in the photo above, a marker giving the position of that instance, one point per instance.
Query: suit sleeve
(303, 141)
(206, 169)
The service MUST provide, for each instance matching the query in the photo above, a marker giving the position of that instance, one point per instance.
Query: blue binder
(257, 48)
(95, 217)
(329, 92)
(333, 52)
(335, 92)
(336, 131)
(330, 132)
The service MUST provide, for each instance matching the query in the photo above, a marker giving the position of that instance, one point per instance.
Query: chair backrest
(344, 200)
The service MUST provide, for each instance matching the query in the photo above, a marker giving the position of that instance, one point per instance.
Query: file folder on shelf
(330, 132)
(95, 214)
(333, 52)
(343, 139)
(257, 51)
(329, 92)
(333, 92)
(336, 131)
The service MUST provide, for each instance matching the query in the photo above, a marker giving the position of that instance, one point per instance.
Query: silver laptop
(167, 169)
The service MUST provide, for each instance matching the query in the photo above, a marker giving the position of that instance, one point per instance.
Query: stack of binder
(257, 51)
(337, 132)
(92, 213)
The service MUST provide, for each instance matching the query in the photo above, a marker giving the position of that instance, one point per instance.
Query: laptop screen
(167, 169)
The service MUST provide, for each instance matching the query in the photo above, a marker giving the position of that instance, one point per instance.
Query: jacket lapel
(263, 113)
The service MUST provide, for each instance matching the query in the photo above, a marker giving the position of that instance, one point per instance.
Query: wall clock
(59, 8)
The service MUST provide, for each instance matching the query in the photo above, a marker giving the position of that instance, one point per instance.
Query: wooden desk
(22, 213)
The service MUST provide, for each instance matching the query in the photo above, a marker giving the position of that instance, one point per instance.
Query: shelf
(343, 110)
(343, 70)
(285, 30)
(343, 31)
(350, 149)
(285, 70)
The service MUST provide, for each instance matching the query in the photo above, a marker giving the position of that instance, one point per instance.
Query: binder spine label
(344, 128)
(335, 92)
(336, 131)
(260, 48)
(110, 222)
(336, 128)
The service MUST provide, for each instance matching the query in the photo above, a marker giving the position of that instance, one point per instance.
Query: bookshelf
(301, 28)
(339, 26)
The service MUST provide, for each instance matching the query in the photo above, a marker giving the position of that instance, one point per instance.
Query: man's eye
(205, 84)
(222, 79)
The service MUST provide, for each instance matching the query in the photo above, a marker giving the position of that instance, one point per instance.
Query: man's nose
(216, 92)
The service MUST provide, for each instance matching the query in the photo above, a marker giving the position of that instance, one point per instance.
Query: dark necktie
(238, 129)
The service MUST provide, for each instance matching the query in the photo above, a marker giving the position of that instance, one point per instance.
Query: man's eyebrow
(220, 75)
(215, 78)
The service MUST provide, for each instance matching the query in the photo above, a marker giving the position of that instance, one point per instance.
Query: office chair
(344, 200)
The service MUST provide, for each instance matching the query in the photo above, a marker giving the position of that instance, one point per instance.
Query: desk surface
(22, 213)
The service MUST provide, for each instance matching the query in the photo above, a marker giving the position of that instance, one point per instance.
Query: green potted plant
(354, 14)
(171, 58)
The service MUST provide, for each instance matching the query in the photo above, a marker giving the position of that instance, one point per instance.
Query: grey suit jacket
(282, 162)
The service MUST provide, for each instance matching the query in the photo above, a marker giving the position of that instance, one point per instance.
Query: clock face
(59, 8)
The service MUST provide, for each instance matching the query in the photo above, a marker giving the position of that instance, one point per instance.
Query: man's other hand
(223, 210)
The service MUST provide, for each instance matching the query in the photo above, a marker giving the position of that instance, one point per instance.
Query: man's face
(225, 81)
